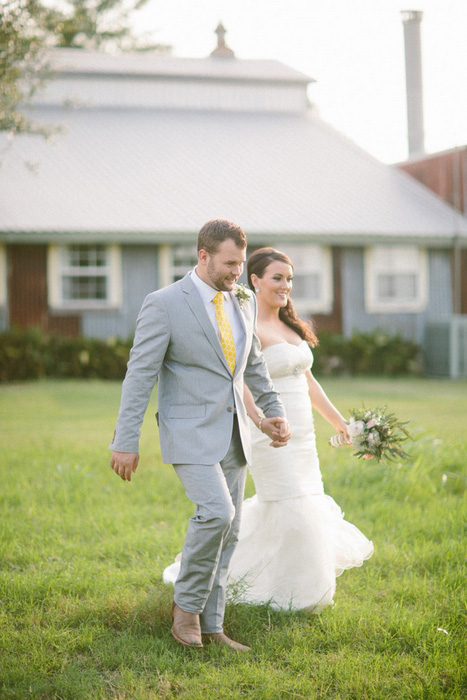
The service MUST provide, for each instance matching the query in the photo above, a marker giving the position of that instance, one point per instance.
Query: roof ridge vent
(222, 50)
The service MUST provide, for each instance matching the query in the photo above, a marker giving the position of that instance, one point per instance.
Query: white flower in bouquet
(355, 428)
(373, 438)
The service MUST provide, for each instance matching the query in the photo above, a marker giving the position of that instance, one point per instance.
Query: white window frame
(57, 267)
(3, 276)
(312, 259)
(396, 258)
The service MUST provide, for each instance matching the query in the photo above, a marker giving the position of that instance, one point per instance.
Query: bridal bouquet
(374, 435)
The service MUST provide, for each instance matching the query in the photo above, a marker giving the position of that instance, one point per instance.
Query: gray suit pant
(217, 491)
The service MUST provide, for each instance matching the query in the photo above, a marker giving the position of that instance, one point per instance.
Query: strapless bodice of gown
(290, 471)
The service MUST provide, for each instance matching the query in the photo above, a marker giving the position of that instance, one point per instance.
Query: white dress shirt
(207, 294)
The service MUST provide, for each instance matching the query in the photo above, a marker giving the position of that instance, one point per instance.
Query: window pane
(87, 256)
(307, 258)
(90, 288)
(397, 287)
(185, 256)
(407, 286)
(386, 287)
(307, 287)
(396, 259)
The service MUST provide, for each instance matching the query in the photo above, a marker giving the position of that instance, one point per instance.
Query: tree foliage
(23, 67)
(29, 27)
(95, 24)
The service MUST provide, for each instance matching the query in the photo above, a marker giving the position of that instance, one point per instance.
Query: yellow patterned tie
(227, 337)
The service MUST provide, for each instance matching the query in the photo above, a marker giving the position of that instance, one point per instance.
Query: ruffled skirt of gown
(291, 551)
(293, 539)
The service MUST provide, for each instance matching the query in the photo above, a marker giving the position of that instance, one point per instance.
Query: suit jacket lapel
(196, 304)
(241, 314)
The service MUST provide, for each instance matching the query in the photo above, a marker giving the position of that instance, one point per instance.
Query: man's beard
(218, 281)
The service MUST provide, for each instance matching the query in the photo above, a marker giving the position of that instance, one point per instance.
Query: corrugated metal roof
(147, 64)
(143, 173)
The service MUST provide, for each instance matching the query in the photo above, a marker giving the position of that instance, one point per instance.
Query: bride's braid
(257, 264)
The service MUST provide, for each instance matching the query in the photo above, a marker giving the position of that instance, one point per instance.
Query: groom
(197, 338)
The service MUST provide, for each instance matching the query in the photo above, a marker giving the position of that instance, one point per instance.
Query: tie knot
(218, 300)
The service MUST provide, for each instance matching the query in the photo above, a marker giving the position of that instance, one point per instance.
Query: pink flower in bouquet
(371, 423)
(368, 456)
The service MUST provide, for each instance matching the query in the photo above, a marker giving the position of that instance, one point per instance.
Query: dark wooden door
(27, 285)
(27, 292)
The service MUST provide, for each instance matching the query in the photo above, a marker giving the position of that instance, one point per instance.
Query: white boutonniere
(242, 294)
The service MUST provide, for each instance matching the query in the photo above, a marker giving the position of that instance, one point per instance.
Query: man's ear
(203, 256)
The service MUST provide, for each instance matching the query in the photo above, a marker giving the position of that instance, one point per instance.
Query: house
(156, 145)
(445, 337)
(445, 173)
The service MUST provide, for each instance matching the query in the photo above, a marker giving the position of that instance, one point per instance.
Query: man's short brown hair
(216, 231)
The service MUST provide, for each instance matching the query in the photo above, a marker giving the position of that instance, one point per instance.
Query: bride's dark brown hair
(258, 262)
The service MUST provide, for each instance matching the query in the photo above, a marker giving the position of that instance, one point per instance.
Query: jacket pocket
(187, 411)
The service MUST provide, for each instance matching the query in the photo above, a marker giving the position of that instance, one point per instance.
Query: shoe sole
(232, 647)
(185, 644)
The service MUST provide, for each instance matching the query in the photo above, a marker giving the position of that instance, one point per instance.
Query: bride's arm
(252, 409)
(324, 406)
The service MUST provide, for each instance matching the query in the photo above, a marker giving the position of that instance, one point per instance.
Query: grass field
(83, 611)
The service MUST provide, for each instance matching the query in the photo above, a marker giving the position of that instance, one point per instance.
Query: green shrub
(32, 354)
(367, 353)
(23, 355)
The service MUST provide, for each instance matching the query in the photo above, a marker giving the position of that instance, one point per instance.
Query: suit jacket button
(230, 409)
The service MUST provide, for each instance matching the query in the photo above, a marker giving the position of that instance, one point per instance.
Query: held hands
(277, 429)
(124, 463)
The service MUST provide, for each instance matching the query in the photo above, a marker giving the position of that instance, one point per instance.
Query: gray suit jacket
(175, 342)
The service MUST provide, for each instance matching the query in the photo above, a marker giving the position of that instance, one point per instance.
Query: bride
(293, 539)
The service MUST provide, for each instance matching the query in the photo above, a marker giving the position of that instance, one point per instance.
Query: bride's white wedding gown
(293, 539)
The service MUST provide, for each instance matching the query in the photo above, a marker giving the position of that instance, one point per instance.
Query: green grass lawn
(83, 611)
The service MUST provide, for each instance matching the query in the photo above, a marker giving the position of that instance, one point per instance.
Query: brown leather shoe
(223, 640)
(185, 628)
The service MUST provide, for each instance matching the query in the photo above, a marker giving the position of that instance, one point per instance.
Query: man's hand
(124, 463)
(277, 429)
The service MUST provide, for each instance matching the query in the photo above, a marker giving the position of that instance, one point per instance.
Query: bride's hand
(341, 426)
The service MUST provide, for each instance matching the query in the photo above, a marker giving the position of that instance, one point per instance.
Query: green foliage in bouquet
(377, 435)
